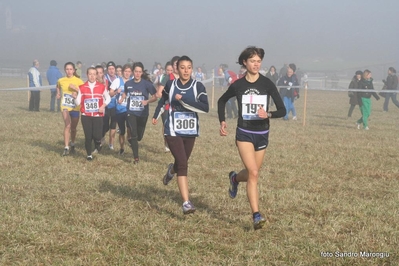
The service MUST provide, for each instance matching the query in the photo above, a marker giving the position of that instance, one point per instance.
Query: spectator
(287, 92)
(391, 84)
(366, 83)
(353, 99)
(35, 80)
(53, 75)
(78, 71)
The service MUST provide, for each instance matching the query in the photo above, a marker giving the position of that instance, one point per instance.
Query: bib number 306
(185, 123)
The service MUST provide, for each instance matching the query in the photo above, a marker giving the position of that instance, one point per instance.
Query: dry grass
(326, 187)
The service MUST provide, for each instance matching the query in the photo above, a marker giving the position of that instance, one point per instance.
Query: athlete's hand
(58, 96)
(74, 94)
(154, 121)
(262, 112)
(73, 87)
(223, 131)
(101, 109)
(144, 102)
(178, 97)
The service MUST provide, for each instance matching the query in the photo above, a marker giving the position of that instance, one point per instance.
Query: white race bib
(91, 105)
(185, 123)
(251, 105)
(68, 101)
(136, 103)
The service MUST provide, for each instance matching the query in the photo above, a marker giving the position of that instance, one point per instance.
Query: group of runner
(105, 100)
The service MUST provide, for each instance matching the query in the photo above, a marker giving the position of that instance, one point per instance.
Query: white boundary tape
(30, 88)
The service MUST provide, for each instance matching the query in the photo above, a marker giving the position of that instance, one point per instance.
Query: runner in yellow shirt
(66, 86)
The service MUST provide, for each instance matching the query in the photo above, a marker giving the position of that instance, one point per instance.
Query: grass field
(327, 189)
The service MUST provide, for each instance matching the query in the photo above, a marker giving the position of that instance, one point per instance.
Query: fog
(315, 34)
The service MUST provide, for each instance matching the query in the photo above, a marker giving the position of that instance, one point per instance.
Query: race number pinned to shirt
(136, 103)
(124, 102)
(185, 123)
(91, 105)
(251, 105)
(68, 101)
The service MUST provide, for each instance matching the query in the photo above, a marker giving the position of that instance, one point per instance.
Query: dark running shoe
(168, 176)
(72, 150)
(233, 185)
(89, 157)
(121, 152)
(259, 222)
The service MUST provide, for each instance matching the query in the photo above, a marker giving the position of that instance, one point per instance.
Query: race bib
(136, 103)
(124, 102)
(91, 105)
(68, 101)
(185, 123)
(251, 105)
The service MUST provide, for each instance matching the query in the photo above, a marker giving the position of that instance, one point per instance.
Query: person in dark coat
(391, 83)
(353, 99)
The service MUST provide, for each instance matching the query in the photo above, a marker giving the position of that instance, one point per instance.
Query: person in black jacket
(366, 83)
(287, 92)
(353, 101)
(391, 83)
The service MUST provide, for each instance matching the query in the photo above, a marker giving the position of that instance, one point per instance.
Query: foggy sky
(209, 31)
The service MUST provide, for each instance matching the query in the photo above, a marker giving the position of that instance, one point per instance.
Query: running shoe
(167, 149)
(233, 185)
(72, 150)
(294, 118)
(136, 160)
(121, 151)
(259, 222)
(366, 128)
(95, 151)
(168, 176)
(66, 152)
(358, 125)
(188, 207)
(89, 157)
(111, 147)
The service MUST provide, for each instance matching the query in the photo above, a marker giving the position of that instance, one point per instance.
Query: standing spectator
(391, 84)
(53, 75)
(78, 71)
(366, 83)
(283, 71)
(287, 92)
(35, 80)
(230, 77)
(220, 76)
(272, 74)
(353, 99)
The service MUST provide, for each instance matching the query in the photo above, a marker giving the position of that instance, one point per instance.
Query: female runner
(66, 86)
(253, 93)
(92, 97)
(187, 98)
(139, 93)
